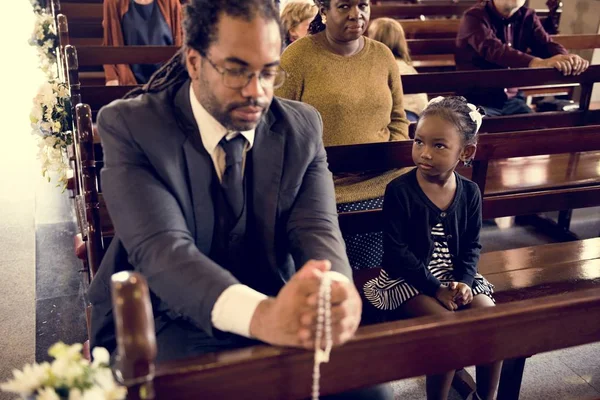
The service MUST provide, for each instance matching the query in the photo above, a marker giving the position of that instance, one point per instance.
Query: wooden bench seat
(534, 271)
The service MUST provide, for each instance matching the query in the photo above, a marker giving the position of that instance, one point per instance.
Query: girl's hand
(445, 295)
(464, 294)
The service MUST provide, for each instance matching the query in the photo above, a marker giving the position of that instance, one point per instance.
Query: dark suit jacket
(156, 182)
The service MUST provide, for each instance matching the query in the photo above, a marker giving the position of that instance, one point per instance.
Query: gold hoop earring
(324, 19)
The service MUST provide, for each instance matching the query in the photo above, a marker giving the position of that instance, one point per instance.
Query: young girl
(431, 238)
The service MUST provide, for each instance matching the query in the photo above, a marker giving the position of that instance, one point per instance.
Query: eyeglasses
(271, 78)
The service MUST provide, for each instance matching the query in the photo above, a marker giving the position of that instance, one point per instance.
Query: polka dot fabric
(364, 250)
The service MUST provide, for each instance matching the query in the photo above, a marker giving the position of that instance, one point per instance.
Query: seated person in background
(354, 83)
(139, 23)
(390, 32)
(432, 221)
(221, 197)
(295, 18)
(495, 35)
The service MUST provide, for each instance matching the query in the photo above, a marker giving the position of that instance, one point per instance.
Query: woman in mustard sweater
(354, 83)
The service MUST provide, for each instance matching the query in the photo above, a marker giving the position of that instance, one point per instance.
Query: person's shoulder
(477, 11)
(301, 48)
(526, 13)
(146, 115)
(403, 183)
(295, 115)
(379, 49)
(132, 107)
(116, 3)
(171, 3)
(470, 188)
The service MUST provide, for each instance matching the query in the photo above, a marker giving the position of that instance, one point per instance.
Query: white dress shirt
(235, 307)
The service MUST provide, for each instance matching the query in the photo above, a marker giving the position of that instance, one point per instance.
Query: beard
(223, 113)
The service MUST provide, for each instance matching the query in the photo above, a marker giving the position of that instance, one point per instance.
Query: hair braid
(170, 74)
(317, 24)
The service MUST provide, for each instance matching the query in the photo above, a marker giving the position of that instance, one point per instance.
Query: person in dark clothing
(431, 237)
(497, 34)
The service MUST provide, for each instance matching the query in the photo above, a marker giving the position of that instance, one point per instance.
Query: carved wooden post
(553, 20)
(63, 41)
(86, 162)
(136, 338)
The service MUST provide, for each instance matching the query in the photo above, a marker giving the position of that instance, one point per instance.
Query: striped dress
(386, 293)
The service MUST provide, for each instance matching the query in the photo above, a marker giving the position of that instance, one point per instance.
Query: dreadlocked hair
(170, 74)
(317, 24)
(455, 110)
(200, 19)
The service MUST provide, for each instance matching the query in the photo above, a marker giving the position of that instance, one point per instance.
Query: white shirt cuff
(234, 309)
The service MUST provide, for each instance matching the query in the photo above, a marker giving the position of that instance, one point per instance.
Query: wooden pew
(493, 167)
(98, 55)
(433, 9)
(99, 96)
(433, 84)
(86, 19)
(87, 201)
(437, 54)
(391, 351)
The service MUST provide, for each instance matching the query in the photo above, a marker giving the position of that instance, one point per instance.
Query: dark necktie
(232, 180)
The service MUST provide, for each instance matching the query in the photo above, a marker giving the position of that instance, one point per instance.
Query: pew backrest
(433, 83)
(380, 353)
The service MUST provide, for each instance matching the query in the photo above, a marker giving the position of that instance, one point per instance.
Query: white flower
(27, 381)
(75, 394)
(46, 95)
(47, 393)
(100, 356)
(67, 371)
(94, 393)
(62, 91)
(46, 127)
(45, 39)
(104, 380)
(436, 100)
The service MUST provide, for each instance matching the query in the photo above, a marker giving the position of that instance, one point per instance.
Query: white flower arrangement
(51, 120)
(44, 37)
(68, 377)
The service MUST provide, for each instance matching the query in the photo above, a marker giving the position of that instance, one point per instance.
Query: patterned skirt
(365, 250)
(386, 293)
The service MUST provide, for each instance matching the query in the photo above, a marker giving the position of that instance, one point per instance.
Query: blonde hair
(390, 32)
(294, 13)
